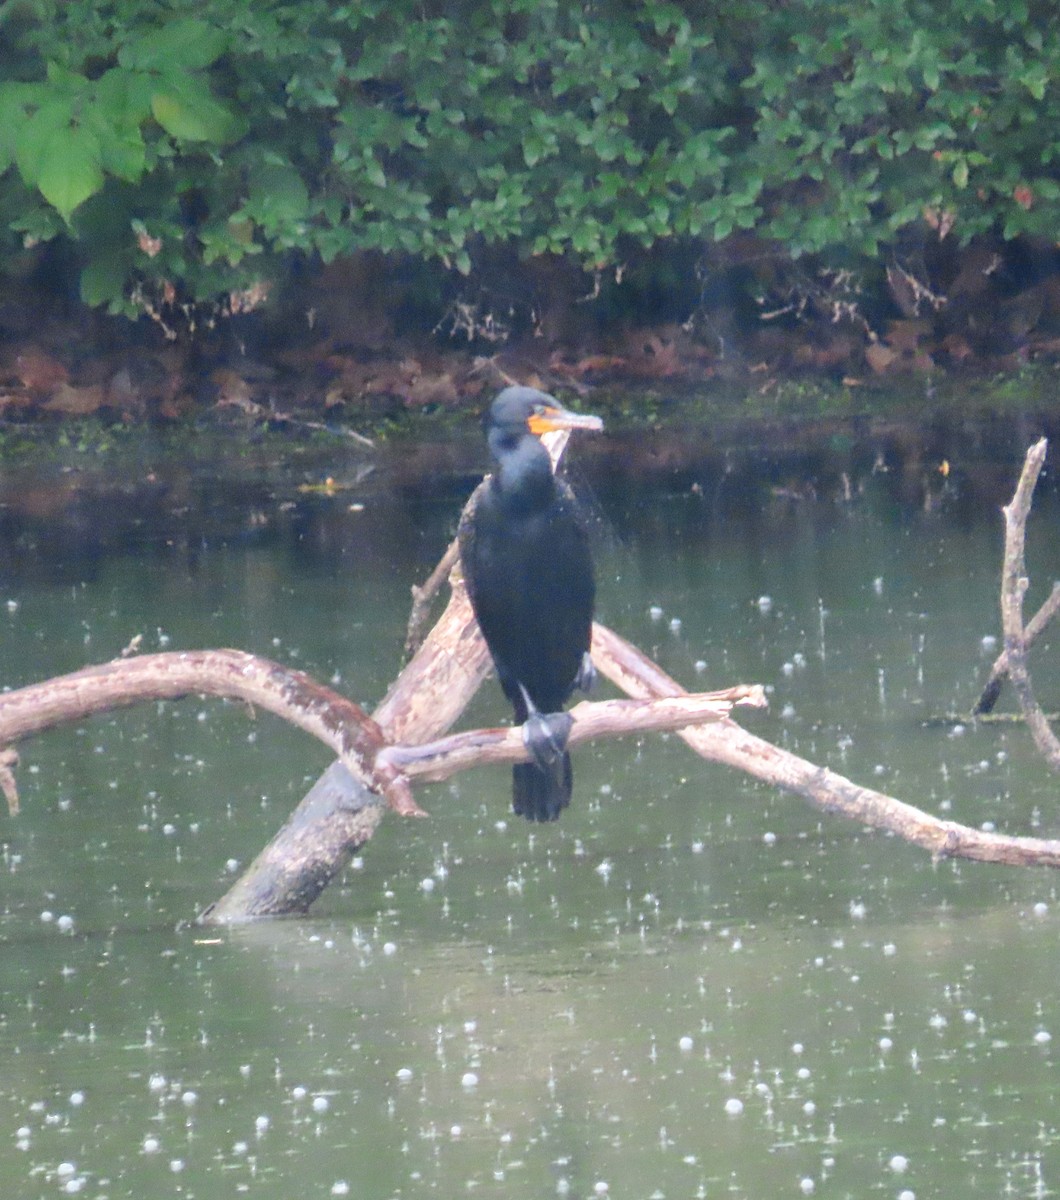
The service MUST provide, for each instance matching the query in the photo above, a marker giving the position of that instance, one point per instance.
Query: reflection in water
(692, 987)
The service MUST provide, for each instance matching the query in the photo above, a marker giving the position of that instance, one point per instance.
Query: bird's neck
(523, 478)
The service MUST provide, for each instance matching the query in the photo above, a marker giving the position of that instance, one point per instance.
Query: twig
(261, 412)
(423, 594)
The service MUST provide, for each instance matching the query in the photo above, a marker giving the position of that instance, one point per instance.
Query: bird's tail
(541, 794)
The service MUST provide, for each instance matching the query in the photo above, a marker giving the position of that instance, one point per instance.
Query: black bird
(525, 554)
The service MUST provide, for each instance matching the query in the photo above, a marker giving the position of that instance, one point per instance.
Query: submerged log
(428, 695)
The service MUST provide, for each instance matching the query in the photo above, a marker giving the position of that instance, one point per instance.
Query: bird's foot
(585, 680)
(545, 736)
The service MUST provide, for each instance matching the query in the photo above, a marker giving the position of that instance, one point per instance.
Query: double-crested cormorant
(529, 574)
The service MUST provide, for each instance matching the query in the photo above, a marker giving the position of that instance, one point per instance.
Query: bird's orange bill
(561, 418)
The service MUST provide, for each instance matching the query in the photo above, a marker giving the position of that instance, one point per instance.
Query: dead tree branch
(295, 874)
(726, 742)
(1036, 626)
(378, 756)
(1014, 584)
(607, 718)
(423, 594)
(422, 703)
(999, 671)
(340, 724)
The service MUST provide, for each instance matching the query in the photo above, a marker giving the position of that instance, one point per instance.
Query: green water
(692, 986)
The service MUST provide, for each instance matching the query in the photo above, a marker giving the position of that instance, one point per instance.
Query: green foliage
(197, 143)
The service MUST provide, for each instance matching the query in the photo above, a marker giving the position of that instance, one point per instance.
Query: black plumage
(528, 569)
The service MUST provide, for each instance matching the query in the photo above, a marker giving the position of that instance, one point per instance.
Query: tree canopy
(188, 148)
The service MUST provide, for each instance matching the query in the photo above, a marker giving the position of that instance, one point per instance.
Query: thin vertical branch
(1014, 585)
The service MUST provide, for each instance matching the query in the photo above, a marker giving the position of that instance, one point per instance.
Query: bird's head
(520, 409)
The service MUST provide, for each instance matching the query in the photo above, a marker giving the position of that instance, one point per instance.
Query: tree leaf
(187, 111)
(277, 197)
(124, 97)
(186, 44)
(103, 280)
(124, 154)
(69, 169)
(34, 134)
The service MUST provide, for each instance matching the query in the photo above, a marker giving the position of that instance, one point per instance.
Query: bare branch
(423, 594)
(1014, 585)
(728, 743)
(1036, 626)
(340, 724)
(607, 718)
(8, 763)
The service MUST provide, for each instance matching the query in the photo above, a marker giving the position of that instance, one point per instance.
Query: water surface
(692, 986)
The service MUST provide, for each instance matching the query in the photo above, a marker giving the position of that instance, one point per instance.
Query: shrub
(187, 149)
